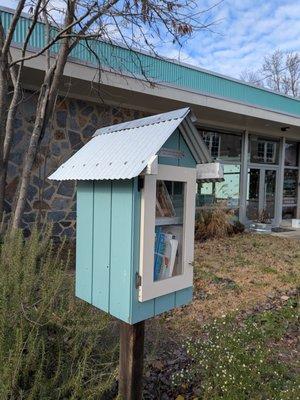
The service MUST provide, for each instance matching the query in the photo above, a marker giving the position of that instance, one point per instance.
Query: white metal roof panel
(121, 151)
(137, 123)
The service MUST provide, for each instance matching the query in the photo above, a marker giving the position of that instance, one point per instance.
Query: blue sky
(245, 31)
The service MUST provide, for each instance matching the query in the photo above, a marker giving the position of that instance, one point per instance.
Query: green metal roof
(162, 70)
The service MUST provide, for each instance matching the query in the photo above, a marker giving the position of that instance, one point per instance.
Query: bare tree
(280, 72)
(252, 77)
(272, 70)
(134, 23)
(291, 78)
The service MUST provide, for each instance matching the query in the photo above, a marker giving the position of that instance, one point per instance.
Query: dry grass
(213, 223)
(239, 273)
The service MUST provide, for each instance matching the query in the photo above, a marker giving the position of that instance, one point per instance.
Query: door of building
(261, 193)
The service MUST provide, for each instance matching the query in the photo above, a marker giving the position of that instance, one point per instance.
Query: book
(165, 252)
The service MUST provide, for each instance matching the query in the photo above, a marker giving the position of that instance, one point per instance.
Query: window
(212, 141)
(270, 152)
(227, 191)
(167, 231)
(223, 146)
(291, 154)
(252, 210)
(263, 151)
(290, 186)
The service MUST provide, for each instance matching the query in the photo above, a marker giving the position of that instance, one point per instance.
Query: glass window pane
(270, 193)
(206, 194)
(291, 154)
(289, 212)
(223, 146)
(226, 191)
(230, 148)
(290, 187)
(263, 151)
(290, 183)
(252, 211)
(168, 230)
(229, 189)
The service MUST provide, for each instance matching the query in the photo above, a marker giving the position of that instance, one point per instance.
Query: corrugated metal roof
(121, 151)
(153, 119)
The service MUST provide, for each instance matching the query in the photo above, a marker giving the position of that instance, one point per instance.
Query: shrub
(238, 227)
(52, 346)
(213, 222)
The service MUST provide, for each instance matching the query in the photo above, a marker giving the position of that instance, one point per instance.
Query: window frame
(150, 289)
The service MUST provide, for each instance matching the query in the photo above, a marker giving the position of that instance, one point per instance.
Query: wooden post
(131, 360)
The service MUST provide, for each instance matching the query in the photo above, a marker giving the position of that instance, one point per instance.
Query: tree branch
(93, 19)
(53, 41)
(12, 27)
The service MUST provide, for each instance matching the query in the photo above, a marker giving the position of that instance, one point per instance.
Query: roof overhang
(114, 88)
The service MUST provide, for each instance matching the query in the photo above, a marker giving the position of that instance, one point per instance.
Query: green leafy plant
(52, 346)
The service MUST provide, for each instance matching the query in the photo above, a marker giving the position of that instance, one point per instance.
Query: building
(254, 132)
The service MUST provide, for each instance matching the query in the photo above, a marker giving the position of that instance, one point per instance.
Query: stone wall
(72, 125)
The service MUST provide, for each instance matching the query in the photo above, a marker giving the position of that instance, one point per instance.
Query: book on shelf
(165, 252)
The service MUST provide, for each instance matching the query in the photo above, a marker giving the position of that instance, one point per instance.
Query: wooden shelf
(168, 221)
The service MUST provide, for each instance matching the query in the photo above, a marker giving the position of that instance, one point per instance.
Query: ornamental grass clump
(52, 346)
(213, 223)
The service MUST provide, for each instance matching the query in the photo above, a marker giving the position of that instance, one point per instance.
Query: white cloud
(247, 32)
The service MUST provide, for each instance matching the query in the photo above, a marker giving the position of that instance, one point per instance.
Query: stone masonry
(72, 125)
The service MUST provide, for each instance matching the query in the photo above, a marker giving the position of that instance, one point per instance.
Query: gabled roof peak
(146, 121)
(124, 150)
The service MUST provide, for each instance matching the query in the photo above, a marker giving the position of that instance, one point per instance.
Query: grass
(234, 360)
(240, 333)
(239, 273)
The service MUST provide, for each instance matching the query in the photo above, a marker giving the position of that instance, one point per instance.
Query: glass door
(261, 194)
(269, 193)
(253, 193)
(290, 193)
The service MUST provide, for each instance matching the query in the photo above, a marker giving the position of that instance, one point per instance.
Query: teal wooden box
(107, 245)
(114, 232)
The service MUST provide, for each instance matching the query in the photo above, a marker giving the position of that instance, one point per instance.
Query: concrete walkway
(292, 234)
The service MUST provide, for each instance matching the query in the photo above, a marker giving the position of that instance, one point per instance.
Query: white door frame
(262, 186)
(149, 288)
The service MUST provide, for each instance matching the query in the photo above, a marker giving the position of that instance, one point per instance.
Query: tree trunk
(30, 156)
(3, 114)
(46, 105)
(9, 130)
